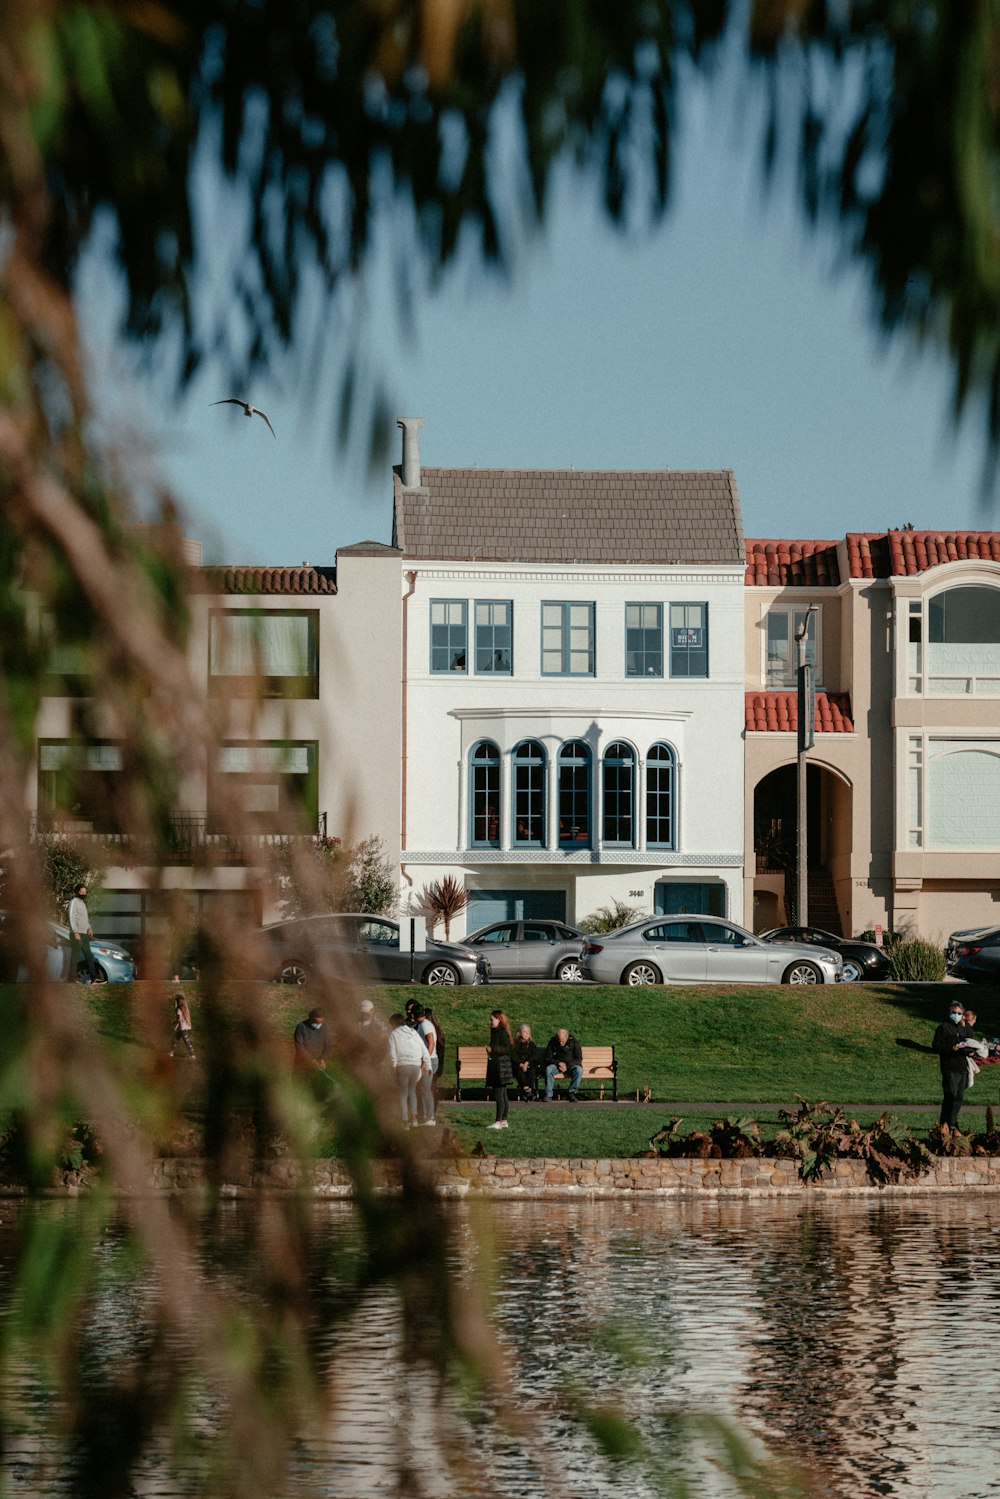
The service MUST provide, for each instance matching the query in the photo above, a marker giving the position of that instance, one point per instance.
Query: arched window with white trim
(618, 819)
(529, 794)
(574, 795)
(484, 795)
(661, 797)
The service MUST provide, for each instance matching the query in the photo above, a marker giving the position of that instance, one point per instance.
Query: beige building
(903, 782)
(318, 752)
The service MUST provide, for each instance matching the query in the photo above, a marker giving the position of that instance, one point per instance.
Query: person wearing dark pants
(499, 1071)
(80, 933)
(949, 1043)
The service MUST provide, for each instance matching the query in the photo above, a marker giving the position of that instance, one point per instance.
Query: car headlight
(111, 952)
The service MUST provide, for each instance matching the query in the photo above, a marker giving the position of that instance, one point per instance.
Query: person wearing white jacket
(80, 933)
(410, 1059)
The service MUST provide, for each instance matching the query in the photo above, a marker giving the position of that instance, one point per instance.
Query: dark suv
(974, 955)
(863, 961)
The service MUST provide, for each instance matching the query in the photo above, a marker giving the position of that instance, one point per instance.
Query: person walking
(949, 1043)
(80, 933)
(182, 1026)
(499, 1071)
(410, 1061)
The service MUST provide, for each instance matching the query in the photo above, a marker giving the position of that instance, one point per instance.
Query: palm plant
(442, 901)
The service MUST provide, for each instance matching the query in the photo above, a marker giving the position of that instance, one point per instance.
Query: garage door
(486, 906)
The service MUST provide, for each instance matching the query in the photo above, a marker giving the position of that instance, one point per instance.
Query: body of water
(852, 1338)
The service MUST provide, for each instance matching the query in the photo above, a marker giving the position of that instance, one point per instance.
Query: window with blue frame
(619, 796)
(661, 766)
(574, 795)
(484, 779)
(449, 635)
(529, 794)
(494, 635)
(643, 640)
(568, 640)
(689, 640)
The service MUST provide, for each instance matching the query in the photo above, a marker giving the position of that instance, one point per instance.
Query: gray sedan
(706, 949)
(295, 949)
(529, 949)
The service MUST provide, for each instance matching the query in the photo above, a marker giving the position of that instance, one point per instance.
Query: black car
(974, 955)
(863, 961)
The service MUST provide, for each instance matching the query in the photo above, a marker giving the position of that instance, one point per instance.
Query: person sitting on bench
(563, 1058)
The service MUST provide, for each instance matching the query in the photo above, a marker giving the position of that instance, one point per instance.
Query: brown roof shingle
(903, 554)
(569, 515)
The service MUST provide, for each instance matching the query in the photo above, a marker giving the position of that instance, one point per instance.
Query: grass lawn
(594, 1134)
(752, 1047)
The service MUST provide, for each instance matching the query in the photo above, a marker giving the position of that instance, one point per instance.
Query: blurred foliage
(324, 876)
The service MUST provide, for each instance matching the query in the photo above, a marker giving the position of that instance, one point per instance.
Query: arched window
(661, 764)
(529, 795)
(484, 795)
(963, 641)
(619, 795)
(574, 795)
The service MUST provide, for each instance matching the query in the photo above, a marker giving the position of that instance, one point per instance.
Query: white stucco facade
(563, 870)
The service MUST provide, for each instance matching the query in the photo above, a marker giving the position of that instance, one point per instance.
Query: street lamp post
(806, 683)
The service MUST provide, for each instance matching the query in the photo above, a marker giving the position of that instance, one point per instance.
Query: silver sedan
(703, 949)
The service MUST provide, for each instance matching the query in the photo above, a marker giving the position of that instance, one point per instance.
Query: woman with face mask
(949, 1043)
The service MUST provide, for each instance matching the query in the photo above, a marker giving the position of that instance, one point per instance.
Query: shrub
(916, 962)
(609, 918)
(66, 868)
(889, 939)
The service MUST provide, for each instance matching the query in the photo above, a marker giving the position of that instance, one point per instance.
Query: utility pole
(806, 681)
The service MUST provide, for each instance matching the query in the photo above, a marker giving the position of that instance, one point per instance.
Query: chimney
(411, 426)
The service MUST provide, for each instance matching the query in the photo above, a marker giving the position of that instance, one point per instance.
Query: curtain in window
(964, 799)
(273, 644)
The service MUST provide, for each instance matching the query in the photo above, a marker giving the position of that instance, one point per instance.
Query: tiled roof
(291, 580)
(778, 713)
(537, 515)
(902, 554)
(779, 564)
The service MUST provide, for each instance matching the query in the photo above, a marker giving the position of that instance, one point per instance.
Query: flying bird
(248, 410)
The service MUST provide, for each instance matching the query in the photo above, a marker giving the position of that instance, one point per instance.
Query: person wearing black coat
(563, 1058)
(499, 1071)
(948, 1041)
(528, 1058)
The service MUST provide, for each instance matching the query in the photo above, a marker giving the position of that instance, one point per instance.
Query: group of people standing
(519, 1059)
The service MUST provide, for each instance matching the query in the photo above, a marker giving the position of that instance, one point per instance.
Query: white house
(572, 695)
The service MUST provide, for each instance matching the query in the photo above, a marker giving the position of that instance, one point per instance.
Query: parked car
(861, 960)
(529, 949)
(706, 949)
(974, 955)
(114, 965)
(295, 949)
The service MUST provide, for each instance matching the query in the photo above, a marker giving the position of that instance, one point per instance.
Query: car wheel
(641, 973)
(802, 973)
(292, 973)
(83, 977)
(569, 971)
(853, 972)
(442, 973)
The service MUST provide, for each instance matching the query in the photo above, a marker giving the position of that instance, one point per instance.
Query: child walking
(182, 1025)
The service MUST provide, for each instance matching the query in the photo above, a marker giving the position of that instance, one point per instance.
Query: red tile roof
(778, 713)
(778, 564)
(902, 554)
(295, 580)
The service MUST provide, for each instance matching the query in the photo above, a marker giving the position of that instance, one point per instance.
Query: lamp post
(805, 678)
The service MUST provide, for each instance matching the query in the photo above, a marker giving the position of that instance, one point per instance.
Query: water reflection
(854, 1337)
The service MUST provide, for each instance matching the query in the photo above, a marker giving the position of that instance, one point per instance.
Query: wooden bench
(599, 1064)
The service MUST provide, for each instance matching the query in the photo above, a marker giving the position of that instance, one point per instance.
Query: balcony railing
(190, 839)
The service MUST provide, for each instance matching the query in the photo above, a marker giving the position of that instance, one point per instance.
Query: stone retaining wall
(494, 1176)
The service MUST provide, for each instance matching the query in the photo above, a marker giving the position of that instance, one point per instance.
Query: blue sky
(723, 339)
